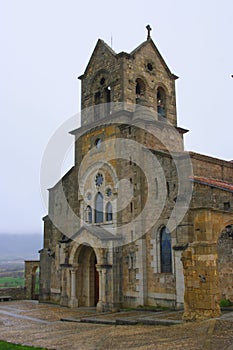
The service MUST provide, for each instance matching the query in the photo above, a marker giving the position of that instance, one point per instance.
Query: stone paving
(30, 323)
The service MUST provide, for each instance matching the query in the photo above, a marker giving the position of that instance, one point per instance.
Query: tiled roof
(223, 185)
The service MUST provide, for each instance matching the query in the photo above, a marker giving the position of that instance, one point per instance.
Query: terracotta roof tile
(223, 185)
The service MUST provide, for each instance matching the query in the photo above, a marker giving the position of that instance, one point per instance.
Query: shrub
(225, 303)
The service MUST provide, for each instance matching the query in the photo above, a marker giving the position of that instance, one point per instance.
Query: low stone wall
(18, 293)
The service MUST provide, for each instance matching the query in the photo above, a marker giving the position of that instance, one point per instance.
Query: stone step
(124, 321)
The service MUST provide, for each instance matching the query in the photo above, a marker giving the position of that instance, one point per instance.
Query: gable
(102, 53)
(148, 49)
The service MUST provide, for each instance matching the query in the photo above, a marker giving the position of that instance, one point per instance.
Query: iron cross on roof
(149, 29)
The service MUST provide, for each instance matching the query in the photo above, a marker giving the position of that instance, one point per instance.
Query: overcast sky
(46, 45)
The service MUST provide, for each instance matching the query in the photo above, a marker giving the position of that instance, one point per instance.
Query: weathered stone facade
(103, 244)
(225, 264)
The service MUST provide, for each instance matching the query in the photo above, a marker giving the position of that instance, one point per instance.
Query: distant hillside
(20, 246)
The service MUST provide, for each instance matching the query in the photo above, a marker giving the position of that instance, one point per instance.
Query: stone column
(73, 299)
(201, 299)
(64, 296)
(178, 250)
(104, 288)
(100, 302)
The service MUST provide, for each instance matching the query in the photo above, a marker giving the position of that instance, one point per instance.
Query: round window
(99, 179)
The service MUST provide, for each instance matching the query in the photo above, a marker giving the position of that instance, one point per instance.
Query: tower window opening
(98, 142)
(131, 207)
(149, 67)
(97, 104)
(161, 103)
(102, 81)
(107, 94)
(140, 89)
(168, 189)
(97, 97)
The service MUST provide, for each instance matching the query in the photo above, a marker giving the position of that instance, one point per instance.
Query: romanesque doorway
(88, 278)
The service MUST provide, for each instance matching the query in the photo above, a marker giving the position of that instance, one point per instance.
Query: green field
(9, 346)
(9, 282)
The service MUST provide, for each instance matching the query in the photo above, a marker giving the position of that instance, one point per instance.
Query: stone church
(137, 220)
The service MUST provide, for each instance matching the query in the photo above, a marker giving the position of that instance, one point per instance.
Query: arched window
(109, 212)
(97, 104)
(165, 250)
(161, 103)
(89, 214)
(140, 89)
(107, 96)
(97, 98)
(99, 206)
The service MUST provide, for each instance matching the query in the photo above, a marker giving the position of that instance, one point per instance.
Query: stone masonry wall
(225, 267)
(212, 167)
(201, 281)
(18, 293)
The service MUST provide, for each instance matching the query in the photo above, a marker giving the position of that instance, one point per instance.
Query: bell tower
(121, 81)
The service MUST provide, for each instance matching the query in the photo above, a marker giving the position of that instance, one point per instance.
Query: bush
(225, 303)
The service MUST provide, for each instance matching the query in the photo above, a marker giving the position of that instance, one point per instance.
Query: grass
(10, 346)
(8, 282)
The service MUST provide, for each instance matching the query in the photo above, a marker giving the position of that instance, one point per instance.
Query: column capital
(74, 268)
(102, 267)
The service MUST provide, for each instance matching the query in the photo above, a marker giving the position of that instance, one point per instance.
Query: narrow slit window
(99, 206)
(89, 214)
(161, 103)
(109, 212)
(165, 250)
